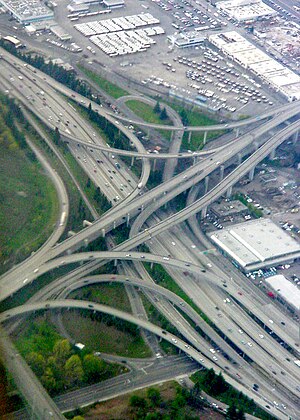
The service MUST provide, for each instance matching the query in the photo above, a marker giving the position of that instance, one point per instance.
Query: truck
(297, 362)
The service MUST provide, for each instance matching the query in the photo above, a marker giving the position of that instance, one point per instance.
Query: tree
(156, 108)
(184, 117)
(61, 352)
(93, 367)
(154, 396)
(73, 370)
(48, 379)
(36, 362)
(163, 115)
(88, 183)
(234, 414)
(138, 402)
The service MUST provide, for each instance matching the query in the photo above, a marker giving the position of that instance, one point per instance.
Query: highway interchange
(159, 230)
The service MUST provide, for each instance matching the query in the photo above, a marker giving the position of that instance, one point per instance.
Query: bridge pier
(115, 262)
(251, 174)
(203, 212)
(127, 219)
(204, 137)
(256, 145)
(237, 132)
(151, 265)
(114, 225)
(229, 192)
(222, 168)
(295, 137)
(190, 137)
(86, 242)
(132, 161)
(239, 156)
(154, 165)
(206, 182)
(272, 154)
(103, 233)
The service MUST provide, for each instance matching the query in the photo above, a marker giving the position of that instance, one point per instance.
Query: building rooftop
(285, 288)
(257, 244)
(227, 208)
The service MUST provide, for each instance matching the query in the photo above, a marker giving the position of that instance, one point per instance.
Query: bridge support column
(272, 154)
(194, 160)
(222, 168)
(256, 145)
(127, 219)
(295, 137)
(204, 137)
(115, 262)
(142, 207)
(203, 212)
(237, 132)
(206, 182)
(114, 225)
(86, 242)
(229, 192)
(154, 165)
(103, 233)
(190, 137)
(151, 265)
(132, 161)
(251, 174)
(239, 156)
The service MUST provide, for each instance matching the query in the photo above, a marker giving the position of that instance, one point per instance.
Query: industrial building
(228, 208)
(285, 289)
(27, 11)
(268, 70)
(245, 10)
(256, 244)
(186, 39)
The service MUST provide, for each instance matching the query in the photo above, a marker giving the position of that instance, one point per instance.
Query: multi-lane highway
(265, 359)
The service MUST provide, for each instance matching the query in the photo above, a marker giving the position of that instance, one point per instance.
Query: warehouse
(285, 289)
(275, 75)
(256, 244)
(27, 11)
(245, 10)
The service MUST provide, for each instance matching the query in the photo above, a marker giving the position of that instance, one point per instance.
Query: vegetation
(113, 295)
(164, 279)
(108, 87)
(121, 233)
(28, 200)
(167, 401)
(238, 402)
(101, 332)
(56, 363)
(257, 213)
(150, 114)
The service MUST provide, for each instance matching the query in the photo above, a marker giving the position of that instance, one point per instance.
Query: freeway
(210, 168)
(177, 342)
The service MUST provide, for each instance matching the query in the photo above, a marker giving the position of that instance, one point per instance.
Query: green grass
(113, 295)
(146, 112)
(98, 336)
(108, 87)
(28, 206)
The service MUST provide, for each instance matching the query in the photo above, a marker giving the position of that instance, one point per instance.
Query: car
(212, 350)
(166, 258)
(271, 321)
(164, 332)
(193, 246)
(261, 336)
(128, 255)
(173, 243)
(240, 293)
(174, 340)
(25, 281)
(187, 264)
(187, 346)
(35, 270)
(90, 306)
(250, 344)
(215, 358)
(241, 332)
(142, 256)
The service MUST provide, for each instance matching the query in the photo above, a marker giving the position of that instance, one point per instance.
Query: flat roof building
(228, 208)
(245, 10)
(256, 244)
(187, 39)
(247, 55)
(285, 289)
(27, 11)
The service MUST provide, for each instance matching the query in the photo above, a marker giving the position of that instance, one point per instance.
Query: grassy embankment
(111, 89)
(106, 334)
(29, 204)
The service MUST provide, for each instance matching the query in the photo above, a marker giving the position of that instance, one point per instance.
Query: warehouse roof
(285, 288)
(257, 244)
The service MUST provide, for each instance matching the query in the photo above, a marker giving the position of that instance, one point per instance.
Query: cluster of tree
(185, 405)
(238, 403)
(63, 369)
(10, 135)
(66, 77)
(184, 117)
(101, 200)
(161, 112)
(110, 321)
